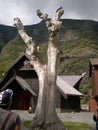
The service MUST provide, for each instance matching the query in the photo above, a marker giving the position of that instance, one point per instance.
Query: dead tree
(45, 115)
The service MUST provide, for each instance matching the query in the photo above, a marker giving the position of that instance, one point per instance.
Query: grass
(27, 123)
(76, 126)
(68, 125)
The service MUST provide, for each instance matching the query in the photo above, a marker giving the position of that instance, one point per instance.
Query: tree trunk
(45, 115)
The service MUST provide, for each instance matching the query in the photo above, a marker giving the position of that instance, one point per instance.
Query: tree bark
(45, 115)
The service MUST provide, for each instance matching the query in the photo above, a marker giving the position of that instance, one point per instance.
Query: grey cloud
(26, 10)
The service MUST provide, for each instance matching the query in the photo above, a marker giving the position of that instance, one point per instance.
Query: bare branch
(31, 50)
(18, 24)
(59, 13)
(54, 24)
(41, 15)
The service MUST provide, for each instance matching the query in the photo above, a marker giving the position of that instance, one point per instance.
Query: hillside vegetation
(78, 41)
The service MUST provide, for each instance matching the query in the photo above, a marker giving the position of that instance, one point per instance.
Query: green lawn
(68, 125)
(76, 126)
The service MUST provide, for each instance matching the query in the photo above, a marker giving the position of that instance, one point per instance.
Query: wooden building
(68, 89)
(23, 80)
(93, 73)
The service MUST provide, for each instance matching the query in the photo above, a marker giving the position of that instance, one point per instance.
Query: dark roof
(15, 64)
(21, 82)
(22, 57)
(25, 85)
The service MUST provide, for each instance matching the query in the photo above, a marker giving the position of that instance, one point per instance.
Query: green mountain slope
(7, 33)
(78, 41)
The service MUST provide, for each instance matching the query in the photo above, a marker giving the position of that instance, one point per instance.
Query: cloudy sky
(26, 10)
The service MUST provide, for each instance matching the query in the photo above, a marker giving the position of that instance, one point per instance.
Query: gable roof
(25, 85)
(19, 59)
(66, 87)
(16, 62)
(21, 82)
(71, 80)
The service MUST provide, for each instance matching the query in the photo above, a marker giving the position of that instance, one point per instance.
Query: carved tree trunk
(45, 115)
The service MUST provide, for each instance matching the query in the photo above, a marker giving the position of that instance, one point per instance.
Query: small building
(93, 73)
(23, 80)
(68, 89)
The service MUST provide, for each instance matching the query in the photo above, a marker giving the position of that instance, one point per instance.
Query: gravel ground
(82, 117)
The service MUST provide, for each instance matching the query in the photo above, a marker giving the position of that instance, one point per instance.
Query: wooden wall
(94, 80)
(92, 104)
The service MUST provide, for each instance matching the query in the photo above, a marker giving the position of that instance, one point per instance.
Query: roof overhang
(22, 83)
(66, 89)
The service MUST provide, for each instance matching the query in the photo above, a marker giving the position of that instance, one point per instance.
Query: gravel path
(82, 117)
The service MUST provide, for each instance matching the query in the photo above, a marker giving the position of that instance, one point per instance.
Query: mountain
(7, 33)
(78, 41)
